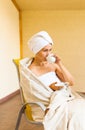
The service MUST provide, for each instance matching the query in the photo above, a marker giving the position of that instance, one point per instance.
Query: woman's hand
(58, 59)
(54, 86)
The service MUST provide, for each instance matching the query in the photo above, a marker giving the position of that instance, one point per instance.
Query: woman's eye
(45, 50)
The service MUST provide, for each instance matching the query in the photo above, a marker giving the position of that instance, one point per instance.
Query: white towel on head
(39, 41)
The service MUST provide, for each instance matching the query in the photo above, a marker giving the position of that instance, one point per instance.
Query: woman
(47, 82)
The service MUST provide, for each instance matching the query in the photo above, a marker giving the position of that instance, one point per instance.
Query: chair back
(28, 111)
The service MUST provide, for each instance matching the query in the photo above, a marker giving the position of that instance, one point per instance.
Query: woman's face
(43, 53)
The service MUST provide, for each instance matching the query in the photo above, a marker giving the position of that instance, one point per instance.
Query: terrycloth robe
(66, 111)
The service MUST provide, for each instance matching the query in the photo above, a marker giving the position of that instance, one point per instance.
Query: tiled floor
(8, 116)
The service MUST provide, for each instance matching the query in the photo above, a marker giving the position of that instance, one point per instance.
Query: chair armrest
(22, 111)
(41, 105)
(23, 108)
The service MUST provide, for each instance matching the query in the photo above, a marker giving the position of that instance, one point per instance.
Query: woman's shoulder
(55, 67)
(52, 66)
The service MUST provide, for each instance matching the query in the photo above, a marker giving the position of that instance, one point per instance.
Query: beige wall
(67, 29)
(9, 47)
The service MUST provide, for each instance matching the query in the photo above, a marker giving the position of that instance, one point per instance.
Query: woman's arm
(54, 86)
(63, 73)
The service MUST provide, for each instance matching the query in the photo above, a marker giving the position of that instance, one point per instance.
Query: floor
(8, 116)
(9, 112)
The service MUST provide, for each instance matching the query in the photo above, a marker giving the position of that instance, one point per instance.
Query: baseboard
(9, 96)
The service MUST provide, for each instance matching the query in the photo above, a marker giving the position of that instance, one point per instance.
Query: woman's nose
(49, 53)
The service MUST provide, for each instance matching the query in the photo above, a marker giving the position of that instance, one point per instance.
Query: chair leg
(20, 116)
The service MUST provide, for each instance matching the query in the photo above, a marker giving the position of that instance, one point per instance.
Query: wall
(9, 47)
(67, 29)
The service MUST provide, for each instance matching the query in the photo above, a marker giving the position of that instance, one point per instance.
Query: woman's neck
(38, 62)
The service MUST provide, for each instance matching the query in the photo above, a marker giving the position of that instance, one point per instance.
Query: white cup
(50, 58)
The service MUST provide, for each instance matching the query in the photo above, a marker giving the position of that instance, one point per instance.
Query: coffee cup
(50, 58)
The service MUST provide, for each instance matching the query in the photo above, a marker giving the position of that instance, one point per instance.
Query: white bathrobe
(66, 112)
